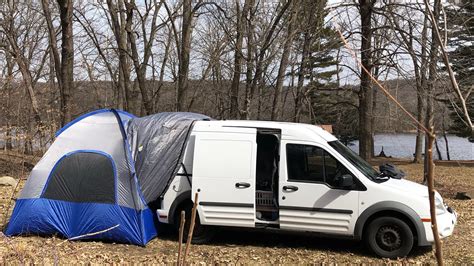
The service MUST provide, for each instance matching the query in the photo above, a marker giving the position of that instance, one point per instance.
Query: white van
(289, 176)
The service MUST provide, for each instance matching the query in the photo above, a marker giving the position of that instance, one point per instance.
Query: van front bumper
(446, 223)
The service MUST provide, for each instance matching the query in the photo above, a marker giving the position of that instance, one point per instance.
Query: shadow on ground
(285, 240)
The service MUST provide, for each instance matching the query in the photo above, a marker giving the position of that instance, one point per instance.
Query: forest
(259, 60)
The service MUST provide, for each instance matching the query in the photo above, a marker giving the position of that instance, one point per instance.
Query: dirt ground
(245, 247)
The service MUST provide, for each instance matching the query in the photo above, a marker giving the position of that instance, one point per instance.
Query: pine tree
(461, 38)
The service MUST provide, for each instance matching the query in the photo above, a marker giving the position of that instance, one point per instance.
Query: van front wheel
(201, 233)
(389, 237)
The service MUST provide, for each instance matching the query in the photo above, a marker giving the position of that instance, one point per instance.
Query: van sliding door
(224, 176)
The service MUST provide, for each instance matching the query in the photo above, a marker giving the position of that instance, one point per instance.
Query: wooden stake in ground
(181, 233)
(431, 194)
(191, 228)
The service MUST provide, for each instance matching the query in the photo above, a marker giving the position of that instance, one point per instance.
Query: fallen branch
(89, 234)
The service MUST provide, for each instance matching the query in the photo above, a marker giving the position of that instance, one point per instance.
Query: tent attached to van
(100, 174)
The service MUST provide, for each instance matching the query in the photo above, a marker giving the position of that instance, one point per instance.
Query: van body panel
(224, 176)
(315, 206)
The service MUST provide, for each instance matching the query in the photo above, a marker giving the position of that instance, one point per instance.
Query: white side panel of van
(315, 206)
(224, 176)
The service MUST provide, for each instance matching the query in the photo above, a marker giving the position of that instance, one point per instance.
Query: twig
(89, 234)
(191, 229)
(181, 233)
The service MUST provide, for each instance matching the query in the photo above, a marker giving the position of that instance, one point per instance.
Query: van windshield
(355, 159)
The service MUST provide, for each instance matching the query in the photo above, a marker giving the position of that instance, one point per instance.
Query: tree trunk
(433, 61)
(8, 89)
(447, 145)
(185, 50)
(291, 87)
(140, 69)
(283, 65)
(156, 95)
(28, 81)
(234, 90)
(421, 88)
(120, 34)
(301, 76)
(259, 67)
(63, 66)
(440, 157)
(366, 92)
(67, 58)
(419, 131)
(250, 64)
(21, 61)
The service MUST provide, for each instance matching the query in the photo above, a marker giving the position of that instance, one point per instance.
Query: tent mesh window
(82, 177)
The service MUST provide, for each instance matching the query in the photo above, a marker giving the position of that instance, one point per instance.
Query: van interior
(268, 157)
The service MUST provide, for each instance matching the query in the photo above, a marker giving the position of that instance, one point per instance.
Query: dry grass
(247, 247)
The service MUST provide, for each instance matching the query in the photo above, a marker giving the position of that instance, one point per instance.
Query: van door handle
(242, 185)
(290, 188)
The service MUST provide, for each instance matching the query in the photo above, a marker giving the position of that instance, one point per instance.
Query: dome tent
(86, 182)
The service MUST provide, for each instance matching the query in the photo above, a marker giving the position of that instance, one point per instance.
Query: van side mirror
(346, 181)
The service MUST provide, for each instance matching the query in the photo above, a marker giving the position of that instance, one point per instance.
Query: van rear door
(224, 176)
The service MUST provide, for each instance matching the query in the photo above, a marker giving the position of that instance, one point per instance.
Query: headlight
(440, 209)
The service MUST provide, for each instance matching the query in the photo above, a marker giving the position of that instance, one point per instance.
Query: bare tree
(240, 23)
(416, 47)
(118, 27)
(259, 63)
(184, 52)
(64, 66)
(282, 69)
(19, 50)
(366, 140)
(141, 67)
(432, 78)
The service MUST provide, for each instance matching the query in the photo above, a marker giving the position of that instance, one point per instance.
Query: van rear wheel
(201, 233)
(389, 237)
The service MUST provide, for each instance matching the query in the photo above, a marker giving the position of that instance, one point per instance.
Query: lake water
(403, 146)
(399, 145)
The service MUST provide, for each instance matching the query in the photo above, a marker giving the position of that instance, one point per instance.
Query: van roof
(294, 131)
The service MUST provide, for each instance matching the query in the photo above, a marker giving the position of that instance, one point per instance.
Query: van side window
(307, 163)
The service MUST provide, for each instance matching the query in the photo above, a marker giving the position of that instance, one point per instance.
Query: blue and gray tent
(101, 173)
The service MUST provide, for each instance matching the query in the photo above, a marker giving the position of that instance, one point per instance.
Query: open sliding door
(224, 176)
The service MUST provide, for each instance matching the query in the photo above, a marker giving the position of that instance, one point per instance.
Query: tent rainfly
(102, 172)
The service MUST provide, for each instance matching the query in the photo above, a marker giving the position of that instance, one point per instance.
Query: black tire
(201, 234)
(389, 237)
